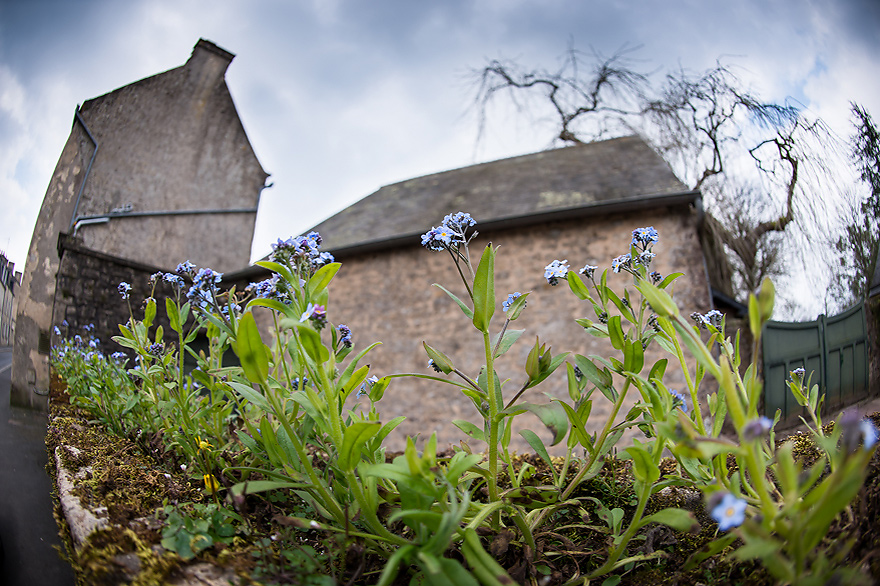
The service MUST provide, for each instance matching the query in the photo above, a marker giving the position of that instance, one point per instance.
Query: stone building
(9, 285)
(578, 203)
(153, 173)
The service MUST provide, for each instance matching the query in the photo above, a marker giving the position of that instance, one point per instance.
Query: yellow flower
(203, 445)
(211, 483)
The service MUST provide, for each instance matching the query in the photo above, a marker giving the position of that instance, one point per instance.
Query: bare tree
(612, 92)
(708, 127)
(859, 245)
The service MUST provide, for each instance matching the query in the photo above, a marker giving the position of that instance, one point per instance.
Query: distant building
(153, 173)
(578, 203)
(10, 282)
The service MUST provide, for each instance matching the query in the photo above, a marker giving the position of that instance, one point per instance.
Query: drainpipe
(79, 118)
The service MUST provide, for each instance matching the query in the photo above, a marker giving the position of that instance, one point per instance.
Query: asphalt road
(27, 527)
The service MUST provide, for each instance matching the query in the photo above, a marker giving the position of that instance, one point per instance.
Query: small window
(45, 344)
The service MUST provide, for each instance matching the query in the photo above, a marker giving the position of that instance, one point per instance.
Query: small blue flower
(645, 236)
(459, 222)
(869, 433)
(624, 261)
(656, 277)
(365, 388)
(588, 271)
(679, 400)
(715, 318)
(173, 280)
(757, 428)
(124, 289)
(186, 268)
(438, 238)
(64, 323)
(316, 313)
(556, 270)
(797, 374)
(729, 513)
(645, 258)
(510, 299)
(57, 331)
(119, 357)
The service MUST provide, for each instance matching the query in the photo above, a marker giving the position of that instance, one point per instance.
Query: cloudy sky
(340, 97)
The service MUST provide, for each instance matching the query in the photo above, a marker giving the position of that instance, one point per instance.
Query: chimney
(207, 65)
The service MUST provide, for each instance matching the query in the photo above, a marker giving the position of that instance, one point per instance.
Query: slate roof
(516, 191)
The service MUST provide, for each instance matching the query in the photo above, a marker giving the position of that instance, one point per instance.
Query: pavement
(27, 528)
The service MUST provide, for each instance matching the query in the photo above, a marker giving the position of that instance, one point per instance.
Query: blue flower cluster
(645, 237)
(556, 270)
(588, 271)
(344, 335)
(301, 248)
(124, 289)
(714, 318)
(450, 234)
(510, 299)
(175, 281)
(272, 288)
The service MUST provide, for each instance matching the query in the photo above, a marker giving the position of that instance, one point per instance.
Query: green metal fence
(833, 349)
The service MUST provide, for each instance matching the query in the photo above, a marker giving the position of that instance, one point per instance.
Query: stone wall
(87, 295)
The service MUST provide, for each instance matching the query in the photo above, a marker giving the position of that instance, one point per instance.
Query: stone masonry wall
(87, 295)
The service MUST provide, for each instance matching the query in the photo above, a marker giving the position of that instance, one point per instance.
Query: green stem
(493, 422)
(609, 423)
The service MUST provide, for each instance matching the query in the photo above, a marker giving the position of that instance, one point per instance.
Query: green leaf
(576, 284)
(600, 378)
(536, 444)
(658, 370)
(644, 467)
(509, 339)
(470, 429)
(616, 332)
(552, 415)
(251, 351)
(625, 311)
(578, 427)
(311, 343)
(150, 312)
(173, 314)
(321, 279)
(280, 269)
(633, 357)
(440, 359)
(467, 310)
(517, 307)
(251, 395)
(661, 302)
(257, 486)
(678, 519)
(124, 341)
(484, 290)
(354, 437)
